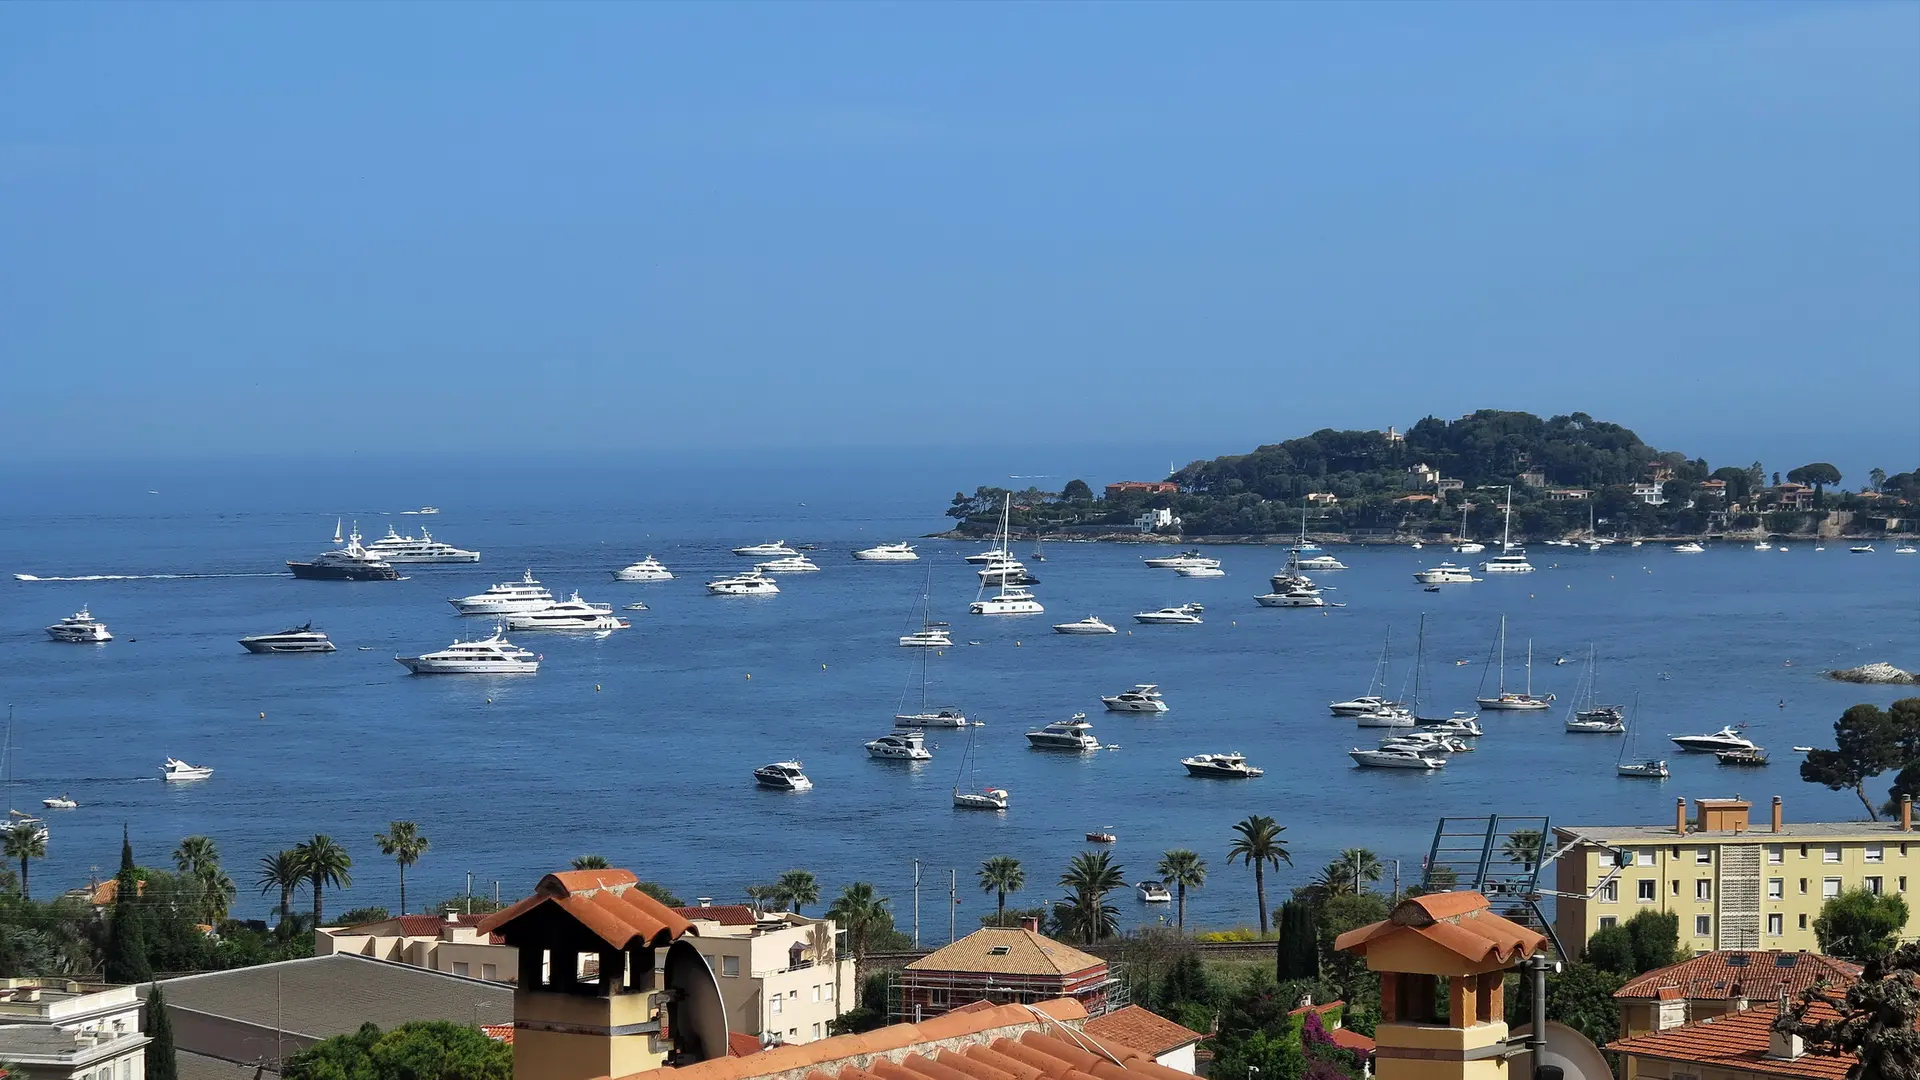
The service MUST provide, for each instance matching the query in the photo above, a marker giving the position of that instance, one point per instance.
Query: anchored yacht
(509, 598)
(1006, 571)
(992, 798)
(1322, 562)
(1186, 560)
(1075, 734)
(298, 639)
(901, 746)
(945, 716)
(1688, 548)
(887, 553)
(1142, 698)
(1221, 767)
(1386, 716)
(1011, 600)
(570, 614)
(1185, 614)
(395, 548)
(176, 771)
(349, 563)
(1727, 738)
(79, 627)
(775, 550)
(1363, 704)
(1444, 574)
(930, 636)
(792, 564)
(1200, 571)
(1293, 597)
(1089, 625)
(1396, 758)
(647, 569)
(997, 551)
(1153, 892)
(783, 776)
(489, 656)
(753, 584)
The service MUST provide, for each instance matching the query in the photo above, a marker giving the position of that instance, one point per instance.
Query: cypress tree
(1299, 948)
(126, 953)
(126, 852)
(160, 1060)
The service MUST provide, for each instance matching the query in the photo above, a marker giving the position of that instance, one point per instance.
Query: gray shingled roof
(202, 1067)
(323, 996)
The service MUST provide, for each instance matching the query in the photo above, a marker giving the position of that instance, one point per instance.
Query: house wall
(811, 996)
(1180, 1059)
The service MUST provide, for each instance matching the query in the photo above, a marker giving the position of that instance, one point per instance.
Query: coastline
(1444, 539)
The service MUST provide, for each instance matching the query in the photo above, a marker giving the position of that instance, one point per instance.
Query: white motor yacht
(1426, 742)
(60, 802)
(945, 716)
(1221, 767)
(647, 569)
(1184, 560)
(1861, 549)
(1469, 547)
(997, 551)
(1396, 758)
(572, 613)
(1199, 571)
(1011, 600)
(1184, 615)
(1727, 738)
(1512, 561)
(508, 598)
(1295, 597)
(349, 563)
(792, 564)
(1075, 735)
(1903, 549)
(753, 584)
(395, 548)
(1463, 727)
(79, 627)
(1602, 721)
(931, 636)
(901, 746)
(176, 771)
(422, 510)
(1089, 625)
(1153, 892)
(1650, 769)
(888, 553)
(1386, 716)
(1006, 571)
(1322, 562)
(489, 656)
(1142, 698)
(782, 776)
(1362, 704)
(298, 639)
(1688, 548)
(1444, 574)
(778, 549)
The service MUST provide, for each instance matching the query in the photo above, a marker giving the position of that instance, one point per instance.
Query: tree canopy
(1860, 925)
(1874, 1021)
(1868, 741)
(423, 1050)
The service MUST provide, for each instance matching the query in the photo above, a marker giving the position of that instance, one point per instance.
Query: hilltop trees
(1820, 474)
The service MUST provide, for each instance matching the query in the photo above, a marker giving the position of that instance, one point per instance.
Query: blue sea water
(639, 745)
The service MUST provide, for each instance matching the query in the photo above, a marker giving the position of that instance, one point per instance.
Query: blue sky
(439, 227)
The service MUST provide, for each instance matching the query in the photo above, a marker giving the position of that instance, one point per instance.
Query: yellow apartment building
(1734, 884)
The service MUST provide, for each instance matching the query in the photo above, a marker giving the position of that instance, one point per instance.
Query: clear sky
(452, 226)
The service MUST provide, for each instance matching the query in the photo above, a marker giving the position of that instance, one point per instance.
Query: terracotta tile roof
(724, 914)
(1321, 1009)
(1147, 1032)
(1003, 1042)
(1007, 950)
(1759, 975)
(1737, 1041)
(502, 1032)
(740, 1044)
(414, 925)
(1461, 922)
(603, 902)
(1351, 1040)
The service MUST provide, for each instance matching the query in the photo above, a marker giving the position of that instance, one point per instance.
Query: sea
(640, 745)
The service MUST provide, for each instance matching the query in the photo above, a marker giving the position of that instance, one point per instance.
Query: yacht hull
(420, 665)
(253, 646)
(307, 571)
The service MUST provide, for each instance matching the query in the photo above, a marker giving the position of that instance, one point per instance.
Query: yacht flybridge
(751, 584)
(489, 656)
(79, 627)
(1007, 571)
(1727, 738)
(1506, 700)
(395, 548)
(1012, 598)
(349, 563)
(1074, 735)
(997, 551)
(1089, 625)
(1142, 698)
(1511, 560)
(930, 636)
(1444, 574)
(901, 746)
(505, 599)
(570, 614)
(1296, 596)
(887, 553)
(1221, 767)
(647, 569)
(776, 550)
(1184, 615)
(1322, 562)
(298, 639)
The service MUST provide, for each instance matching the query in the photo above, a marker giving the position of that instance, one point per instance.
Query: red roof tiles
(1737, 1042)
(1147, 1032)
(1754, 975)
(605, 903)
(740, 1044)
(724, 914)
(1461, 922)
(501, 1032)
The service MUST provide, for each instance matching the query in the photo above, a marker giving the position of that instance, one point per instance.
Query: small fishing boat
(62, 802)
(1102, 838)
(1750, 757)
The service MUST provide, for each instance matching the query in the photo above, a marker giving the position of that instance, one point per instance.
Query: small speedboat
(1727, 738)
(782, 776)
(1185, 614)
(1102, 838)
(1861, 549)
(1650, 769)
(1153, 892)
(175, 771)
(1092, 624)
(1688, 548)
(62, 802)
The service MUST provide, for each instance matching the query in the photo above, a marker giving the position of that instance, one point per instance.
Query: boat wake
(136, 577)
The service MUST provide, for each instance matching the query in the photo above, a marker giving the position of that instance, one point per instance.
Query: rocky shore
(1879, 674)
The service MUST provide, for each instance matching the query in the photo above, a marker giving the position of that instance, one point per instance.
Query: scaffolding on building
(946, 991)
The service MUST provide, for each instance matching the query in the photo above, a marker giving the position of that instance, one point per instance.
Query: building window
(459, 967)
(489, 972)
(829, 992)
(1643, 857)
(793, 1034)
(1776, 924)
(730, 967)
(1831, 853)
(1829, 888)
(1876, 853)
(1703, 856)
(1647, 891)
(1703, 889)
(1803, 886)
(775, 1003)
(1873, 885)
(816, 1031)
(816, 996)
(1609, 921)
(1903, 883)
(1776, 854)
(1676, 886)
(1803, 851)
(1703, 926)
(1803, 920)
(1609, 893)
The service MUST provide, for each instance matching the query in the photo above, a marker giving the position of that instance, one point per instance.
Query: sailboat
(337, 538)
(1466, 546)
(1011, 599)
(1461, 722)
(1641, 768)
(992, 798)
(931, 635)
(1506, 700)
(940, 716)
(1376, 695)
(1304, 544)
(1585, 713)
(1511, 560)
(1037, 555)
(16, 818)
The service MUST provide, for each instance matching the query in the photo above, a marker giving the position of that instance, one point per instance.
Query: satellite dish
(1567, 1050)
(696, 1017)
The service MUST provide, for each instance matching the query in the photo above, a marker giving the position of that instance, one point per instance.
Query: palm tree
(1090, 876)
(25, 840)
(765, 898)
(1182, 869)
(797, 887)
(859, 912)
(1001, 875)
(1350, 873)
(195, 855)
(591, 862)
(1258, 844)
(323, 863)
(282, 870)
(198, 860)
(403, 843)
(1522, 846)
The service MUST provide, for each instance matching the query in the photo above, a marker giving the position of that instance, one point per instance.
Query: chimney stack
(1777, 815)
(1906, 813)
(1030, 924)
(1680, 816)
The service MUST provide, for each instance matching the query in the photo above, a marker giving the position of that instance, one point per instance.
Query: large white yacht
(1297, 596)
(930, 636)
(754, 584)
(944, 716)
(1511, 560)
(1184, 560)
(901, 746)
(1322, 562)
(997, 551)
(509, 598)
(1185, 614)
(1727, 738)
(1688, 548)
(349, 563)
(175, 771)
(80, 626)
(1007, 571)
(887, 553)
(298, 639)
(1092, 624)
(1364, 703)
(572, 613)
(1012, 598)
(776, 550)
(1386, 716)
(783, 776)
(792, 564)
(1075, 734)
(1396, 758)
(489, 656)
(1142, 698)
(1201, 571)
(395, 548)
(647, 569)
(1221, 767)
(1444, 574)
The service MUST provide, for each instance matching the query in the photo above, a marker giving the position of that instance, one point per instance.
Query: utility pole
(1396, 881)
(916, 903)
(953, 904)
(469, 892)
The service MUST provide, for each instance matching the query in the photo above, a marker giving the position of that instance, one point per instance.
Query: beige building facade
(781, 975)
(60, 1030)
(452, 944)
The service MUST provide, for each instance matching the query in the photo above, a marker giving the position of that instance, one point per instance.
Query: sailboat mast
(1506, 530)
(1529, 667)
(1006, 538)
(1503, 654)
(1419, 662)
